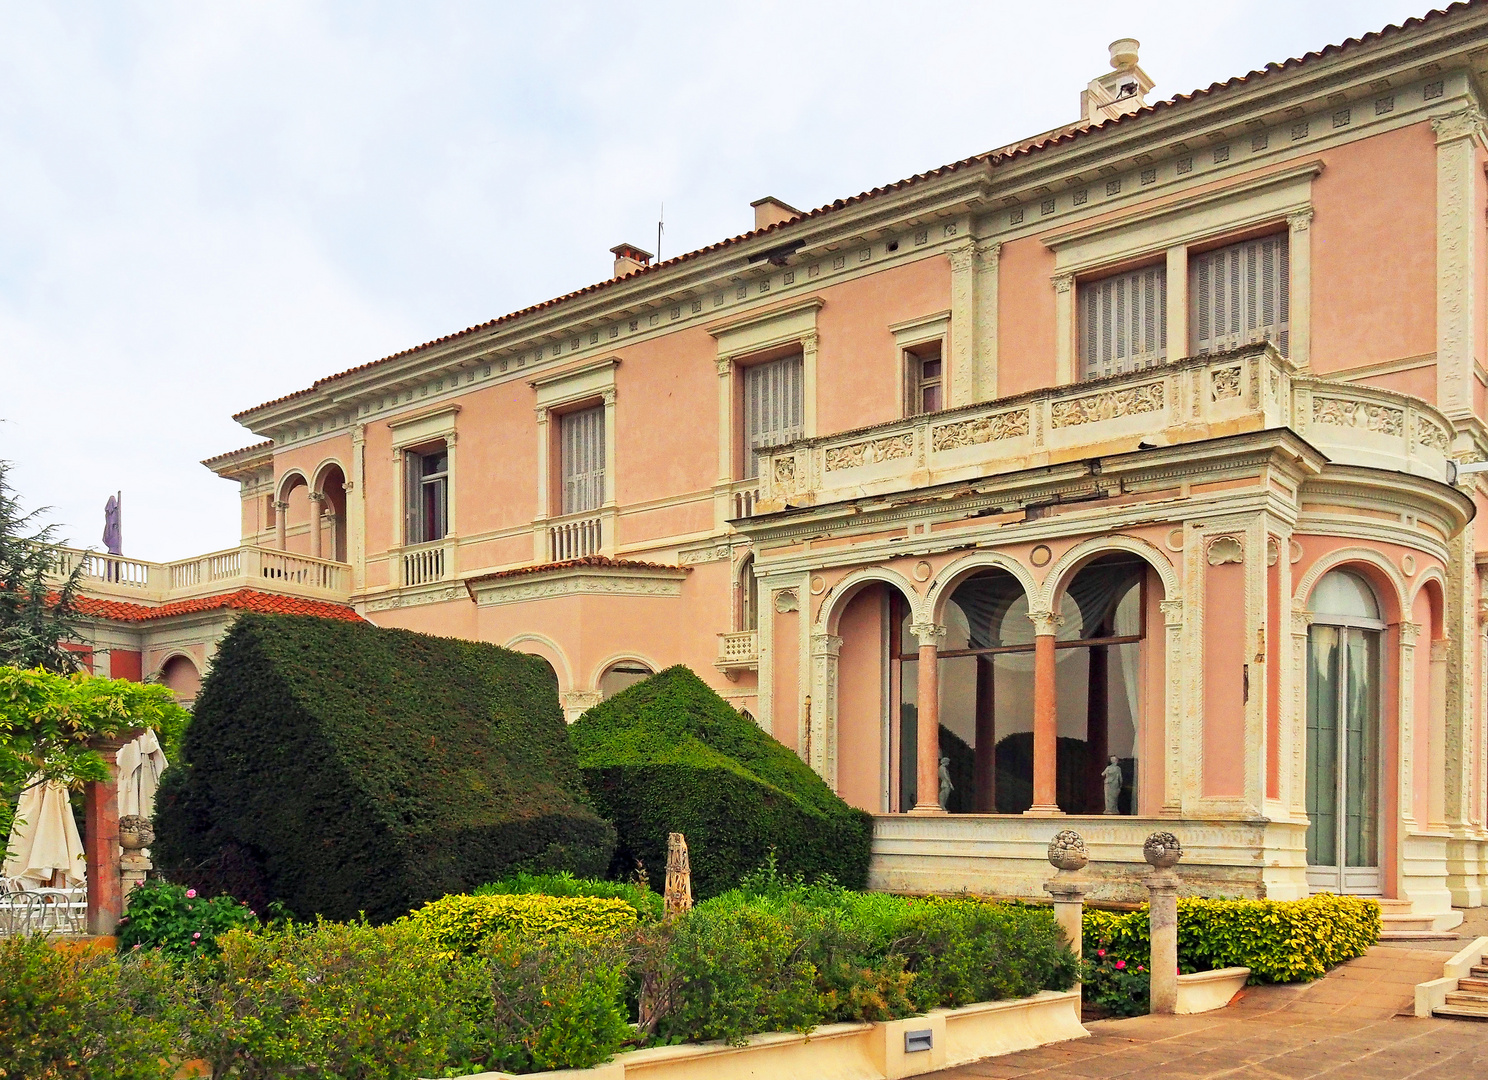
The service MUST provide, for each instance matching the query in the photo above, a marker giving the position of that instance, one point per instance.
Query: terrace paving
(1356, 1022)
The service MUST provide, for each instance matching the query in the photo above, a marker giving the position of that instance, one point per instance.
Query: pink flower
(190, 894)
(136, 948)
(196, 935)
(1120, 965)
(1100, 952)
(1141, 968)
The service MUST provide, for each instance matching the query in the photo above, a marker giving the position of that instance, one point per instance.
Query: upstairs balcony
(1249, 389)
(115, 577)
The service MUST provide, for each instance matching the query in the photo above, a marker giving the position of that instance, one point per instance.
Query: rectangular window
(774, 408)
(427, 493)
(1238, 295)
(923, 380)
(582, 451)
(1123, 322)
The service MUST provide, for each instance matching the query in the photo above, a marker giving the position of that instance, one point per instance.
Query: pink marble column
(927, 722)
(101, 848)
(1045, 715)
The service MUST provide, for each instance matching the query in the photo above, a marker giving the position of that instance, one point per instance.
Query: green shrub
(648, 904)
(670, 755)
(463, 923)
(1279, 940)
(348, 1000)
(343, 768)
(76, 1013)
(1120, 987)
(177, 921)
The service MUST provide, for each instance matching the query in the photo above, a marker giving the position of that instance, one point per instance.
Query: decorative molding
(981, 429)
(1128, 401)
(1045, 623)
(787, 600)
(869, 452)
(1300, 220)
(414, 598)
(577, 581)
(1063, 282)
(1224, 383)
(1341, 412)
(1463, 124)
(928, 633)
(1225, 549)
(717, 553)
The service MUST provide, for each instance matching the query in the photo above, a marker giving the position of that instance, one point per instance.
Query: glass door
(1343, 759)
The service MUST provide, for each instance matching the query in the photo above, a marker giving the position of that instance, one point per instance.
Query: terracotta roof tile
(242, 600)
(993, 158)
(266, 444)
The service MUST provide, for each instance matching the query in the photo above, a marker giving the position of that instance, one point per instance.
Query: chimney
(629, 259)
(1121, 90)
(771, 211)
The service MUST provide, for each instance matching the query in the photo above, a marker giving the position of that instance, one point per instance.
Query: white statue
(946, 787)
(1113, 778)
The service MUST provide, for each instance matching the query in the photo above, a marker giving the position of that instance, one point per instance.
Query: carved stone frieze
(718, 553)
(1225, 383)
(592, 584)
(1431, 436)
(981, 429)
(437, 596)
(1341, 412)
(1108, 405)
(870, 451)
(785, 472)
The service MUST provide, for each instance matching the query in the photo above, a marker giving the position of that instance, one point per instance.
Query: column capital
(316, 496)
(962, 255)
(281, 505)
(928, 633)
(1063, 282)
(1299, 220)
(1172, 611)
(542, 414)
(1045, 623)
(724, 365)
(609, 396)
(1462, 124)
(825, 645)
(809, 341)
(1409, 632)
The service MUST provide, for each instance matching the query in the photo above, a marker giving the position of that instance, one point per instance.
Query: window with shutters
(1239, 295)
(1123, 322)
(924, 380)
(426, 490)
(582, 464)
(774, 408)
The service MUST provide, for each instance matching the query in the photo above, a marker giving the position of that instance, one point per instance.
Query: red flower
(1120, 965)
(1100, 952)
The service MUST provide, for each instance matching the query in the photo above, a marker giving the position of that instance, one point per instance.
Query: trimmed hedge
(670, 755)
(1281, 941)
(649, 905)
(463, 923)
(342, 768)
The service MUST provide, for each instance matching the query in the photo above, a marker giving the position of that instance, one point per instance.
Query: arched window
(748, 596)
(620, 676)
(1344, 684)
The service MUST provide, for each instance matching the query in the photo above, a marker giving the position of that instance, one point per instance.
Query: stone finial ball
(135, 831)
(1162, 850)
(1067, 851)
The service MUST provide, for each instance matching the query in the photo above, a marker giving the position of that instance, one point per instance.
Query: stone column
(1163, 851)
(1045, 715)
(822, 723)
(1068, 856)
(101, 808)
(135, 834)
(281, 525)
(927, 720)
(316, 499)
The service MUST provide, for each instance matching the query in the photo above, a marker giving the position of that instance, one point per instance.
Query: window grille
(1239, 295)
(583, 465)
(1123, 322)
(774, 408)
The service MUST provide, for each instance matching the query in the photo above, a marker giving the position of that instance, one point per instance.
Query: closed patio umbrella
(140, 764)
(45, 839)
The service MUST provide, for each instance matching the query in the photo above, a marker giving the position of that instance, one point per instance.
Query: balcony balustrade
(120, 578)
(738, 651)
(428, 563)
(575, 537)
(1249, 389)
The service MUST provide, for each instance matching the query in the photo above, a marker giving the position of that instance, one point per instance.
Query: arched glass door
(1343, 737)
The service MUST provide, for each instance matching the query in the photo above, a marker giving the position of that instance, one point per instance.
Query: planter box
(1206, 990)
(863, 1051)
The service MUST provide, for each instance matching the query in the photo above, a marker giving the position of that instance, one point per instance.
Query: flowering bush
(1119, 987)
(178, 922)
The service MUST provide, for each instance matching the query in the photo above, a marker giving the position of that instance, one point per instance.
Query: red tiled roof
(993, 158)
(599, 562)
(209, 462)
(242, 600)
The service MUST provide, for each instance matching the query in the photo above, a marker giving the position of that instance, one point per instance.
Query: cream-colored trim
(1177, 286)
(1185, 221)
(959, 372)
(620, 658)
(564, 672)
(757, 330)
(424, 426)
(1457, 225)
(1299, 252)
(573, 384)
(950, 576)
(1369, 371)
(356, 509)
(1064, 329)
(984, 350)
(919, 330)
(580, 581)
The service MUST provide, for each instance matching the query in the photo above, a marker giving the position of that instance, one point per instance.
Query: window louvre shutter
(1124, 322)
(583, 460)
(1240, 294)
(774, 407)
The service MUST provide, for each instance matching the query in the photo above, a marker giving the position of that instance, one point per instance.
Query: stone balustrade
(1248, 389)
(118, 578)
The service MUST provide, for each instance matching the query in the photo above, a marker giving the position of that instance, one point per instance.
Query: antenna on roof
(660, 228)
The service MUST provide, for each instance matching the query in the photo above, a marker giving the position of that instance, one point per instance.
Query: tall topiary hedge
(343, 768)
(670, 755)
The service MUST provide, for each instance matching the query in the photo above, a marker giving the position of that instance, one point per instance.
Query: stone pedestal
(1068, 856)
(135, 834)
(1163, 851)
(101, 849)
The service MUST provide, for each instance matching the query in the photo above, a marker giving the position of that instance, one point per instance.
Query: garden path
(1356, 1022)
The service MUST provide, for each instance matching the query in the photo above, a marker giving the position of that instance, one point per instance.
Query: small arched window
(1343, 596)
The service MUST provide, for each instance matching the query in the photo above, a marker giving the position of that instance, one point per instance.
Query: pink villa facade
(1116, 479)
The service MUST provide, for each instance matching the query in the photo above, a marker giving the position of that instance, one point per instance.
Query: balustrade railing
(744, 500)
(576, 539)
(220, 571)
(424, 565)
(738, 649)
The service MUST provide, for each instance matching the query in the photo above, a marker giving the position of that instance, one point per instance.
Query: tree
(37, 612)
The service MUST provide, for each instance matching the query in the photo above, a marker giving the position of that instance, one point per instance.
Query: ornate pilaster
(1296, 718)
(1457, 228)
(356, 509)
(1064, 329)
(1299, 254)
(1406, 755)
(1173, 657)
(821, 725)
(808, 382)
(973, 359)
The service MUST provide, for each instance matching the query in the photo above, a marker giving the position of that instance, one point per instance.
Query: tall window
(1123, 322)
(1238, 295)
(582, 436)
(774, 408)
(924, 380)
(427, 489)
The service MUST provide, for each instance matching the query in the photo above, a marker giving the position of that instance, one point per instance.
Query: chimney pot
(1124, 53)
(629, 258)
(771, 211)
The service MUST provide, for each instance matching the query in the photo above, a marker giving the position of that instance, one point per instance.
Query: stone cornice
(577, 581)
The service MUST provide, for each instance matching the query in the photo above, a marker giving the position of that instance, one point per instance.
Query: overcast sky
(206, 206)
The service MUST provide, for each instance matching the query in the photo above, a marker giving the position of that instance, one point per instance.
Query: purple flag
(113, 529)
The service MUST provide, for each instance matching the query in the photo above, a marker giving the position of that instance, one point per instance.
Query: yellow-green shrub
(1279, 940)
(461, 923)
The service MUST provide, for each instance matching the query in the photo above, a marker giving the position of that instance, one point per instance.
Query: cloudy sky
(205, 206)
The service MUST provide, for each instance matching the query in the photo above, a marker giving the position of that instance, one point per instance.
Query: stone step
(1462, 1012)
(1466, 997)
(1480, 971)
(1417, 935)
(1474, 984)
(1405, 920)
